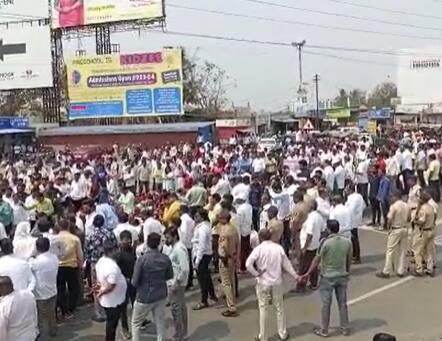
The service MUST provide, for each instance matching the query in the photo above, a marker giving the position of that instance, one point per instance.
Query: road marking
(380, 290)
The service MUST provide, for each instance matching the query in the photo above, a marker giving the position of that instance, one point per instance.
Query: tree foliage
(204, 85)
(355, 97)
(382, 94)
(19, 102)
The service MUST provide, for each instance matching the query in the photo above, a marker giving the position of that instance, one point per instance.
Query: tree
(16, 102)
(382, 94)
(204, 85)
(355, 97)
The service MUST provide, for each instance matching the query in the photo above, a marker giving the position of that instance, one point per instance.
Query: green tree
(382, 94)
(355, 97)
(16, 102)
(204, 85)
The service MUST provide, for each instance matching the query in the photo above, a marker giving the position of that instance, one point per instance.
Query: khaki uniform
(276, 228)
(423, 241)
(297, 218)
(398, 221)
(227, 250)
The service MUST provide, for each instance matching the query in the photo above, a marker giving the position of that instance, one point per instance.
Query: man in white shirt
(220, 186)
(329, 175)
(339, 176)
(18, 313)
(362, 178)
(78, 191)
(355, 203)
(124, 225)
(342, 214)
(309, 236)
(242, 189)
(112, 288)
(407, 167)
(245, 216)
(177, 285)
(151, 225)
(186, 234)
(266, 263)
(45, 268)
(258, 164)
(15, 268)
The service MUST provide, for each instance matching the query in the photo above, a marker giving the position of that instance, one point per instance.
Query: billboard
(380, 114)
(19, 10)
(420, 76)
(25, 57)
(338, 113)
(140, 84)
(71, 13)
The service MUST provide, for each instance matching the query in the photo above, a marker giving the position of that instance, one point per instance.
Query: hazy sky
(267, 76)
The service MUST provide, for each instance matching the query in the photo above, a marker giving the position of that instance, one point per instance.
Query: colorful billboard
(20, 10)
(338, 113)
(72, 13)
(25, 57)
(140, 84)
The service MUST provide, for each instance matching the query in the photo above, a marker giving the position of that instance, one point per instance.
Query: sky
(266, 76)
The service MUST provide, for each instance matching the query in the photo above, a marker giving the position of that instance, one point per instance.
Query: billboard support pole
(52, 97)
(103, 39)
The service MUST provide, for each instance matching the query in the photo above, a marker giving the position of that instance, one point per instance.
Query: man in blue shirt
(383, 195)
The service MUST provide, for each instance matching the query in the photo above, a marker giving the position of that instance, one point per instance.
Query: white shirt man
(108, 272)
(19, 271)
(222, 187)
(126, 227)
(18, 316)
(313, 226)
(79, 189)
(281, 201)
(356, 205)
(362, 172)
(201, 242)
(324, 207)
(264, 217)
(45, 269)
(245, 215)
(152, 225)
(258, 165)
(329, 176)
(343, 216)
(407, 160)
(241, 190)
(186, 230)
(180, 264)
(340, 177)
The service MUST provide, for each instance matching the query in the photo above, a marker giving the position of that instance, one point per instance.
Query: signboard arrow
(11, 49)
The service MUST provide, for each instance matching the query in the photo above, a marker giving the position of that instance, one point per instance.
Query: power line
(348, 16)
(296, 22)
(387, 10)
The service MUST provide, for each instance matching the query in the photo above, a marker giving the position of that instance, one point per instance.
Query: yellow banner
(139, 84)
(71, 13)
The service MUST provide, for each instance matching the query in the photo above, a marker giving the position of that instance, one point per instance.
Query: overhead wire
(342, 15)
(302, 23)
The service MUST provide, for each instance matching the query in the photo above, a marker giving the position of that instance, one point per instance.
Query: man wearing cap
(398, 220)
(423, 244)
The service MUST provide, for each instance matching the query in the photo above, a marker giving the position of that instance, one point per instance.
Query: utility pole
(316, 80)
(299, 46)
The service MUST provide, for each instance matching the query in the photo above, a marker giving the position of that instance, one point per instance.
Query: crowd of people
(134, 226)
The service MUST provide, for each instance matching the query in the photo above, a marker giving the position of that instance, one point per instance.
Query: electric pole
(299, 46)
(316, 80)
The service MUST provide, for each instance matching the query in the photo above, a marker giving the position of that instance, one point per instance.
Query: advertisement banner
(380, 114)
(420, 76)
(372, 127)
(20, 10)
(338, 113)
(71, 13)
(140, 84)
(25, 57)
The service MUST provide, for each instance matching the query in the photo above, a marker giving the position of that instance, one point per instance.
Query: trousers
(112, 317)
(423, 247)
(228, 283)
(396, 249)
(67, 278)
(338, 286)
(355, 243)
(205, 279)
(304, 265)
(268, 296)
(179, 312)
(139, 314)
(47, 324)
(245, 251)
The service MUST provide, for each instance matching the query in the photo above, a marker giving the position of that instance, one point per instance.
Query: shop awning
(15, 131)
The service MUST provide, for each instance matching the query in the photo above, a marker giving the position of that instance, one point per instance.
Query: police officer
(228, 252)
(423, 243)
(397, 223)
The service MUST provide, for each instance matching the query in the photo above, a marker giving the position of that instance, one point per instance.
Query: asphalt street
(409, 307)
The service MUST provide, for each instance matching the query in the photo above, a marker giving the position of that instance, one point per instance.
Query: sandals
(200, 306)
(320, 332)
(229, 313)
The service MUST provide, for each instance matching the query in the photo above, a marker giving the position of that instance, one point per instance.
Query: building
(145, 134)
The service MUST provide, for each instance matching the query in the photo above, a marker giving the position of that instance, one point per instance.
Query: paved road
(409, 308)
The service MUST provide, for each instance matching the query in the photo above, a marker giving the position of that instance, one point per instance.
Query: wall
(150, 139)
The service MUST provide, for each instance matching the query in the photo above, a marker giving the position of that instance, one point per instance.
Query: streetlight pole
(299, 46)
(316, 80)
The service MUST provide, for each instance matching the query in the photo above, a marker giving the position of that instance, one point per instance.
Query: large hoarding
(140, 84)
(25, 57)
(420, 76)
(71, 13)
(19, 10)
